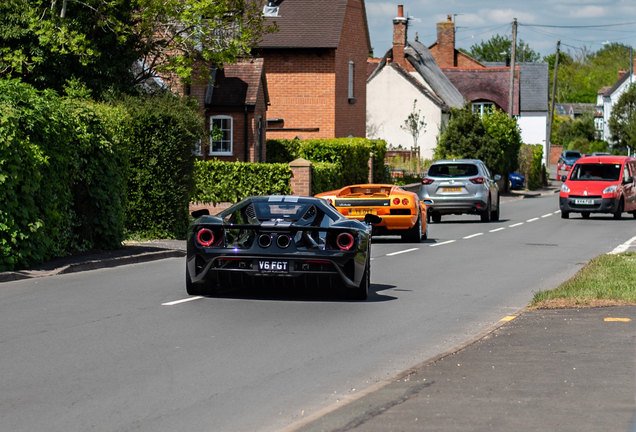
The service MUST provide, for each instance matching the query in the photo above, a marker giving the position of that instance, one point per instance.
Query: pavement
(537, 370)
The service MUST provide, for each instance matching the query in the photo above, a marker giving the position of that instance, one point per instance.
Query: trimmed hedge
(218, 181)
(61, 177)
(352, 154)
(530, 166)
(326, 176)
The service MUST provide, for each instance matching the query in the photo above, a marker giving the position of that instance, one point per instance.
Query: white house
(408, 74)
(606, 98)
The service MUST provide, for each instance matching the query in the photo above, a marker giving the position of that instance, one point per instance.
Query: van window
(596, 172)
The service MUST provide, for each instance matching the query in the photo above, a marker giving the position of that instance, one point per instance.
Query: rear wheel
(414, 235)
(634, 214)
(191, 288)
(494, 215)
(585, 215)
(619, 210)
(425, 235)
(565, 215)
(362, 292)
(485, 215)
(198, 289)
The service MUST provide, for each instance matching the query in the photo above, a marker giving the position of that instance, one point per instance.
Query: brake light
(478, 180)
(405, 201)
(205, 237)
(396, 201)
(427, 181)
(344, 241)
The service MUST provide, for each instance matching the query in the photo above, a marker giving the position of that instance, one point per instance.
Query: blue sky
(480, 20)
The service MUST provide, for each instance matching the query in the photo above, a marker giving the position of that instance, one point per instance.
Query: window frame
(231, 140)
(481, 106)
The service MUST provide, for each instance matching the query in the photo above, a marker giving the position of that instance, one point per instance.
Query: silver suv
(461, 186)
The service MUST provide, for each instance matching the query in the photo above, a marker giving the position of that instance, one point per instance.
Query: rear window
(596, 172)
(572, 154)
(453, 170)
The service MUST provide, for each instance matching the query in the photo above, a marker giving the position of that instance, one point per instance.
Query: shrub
(218, 181)
(326, 176)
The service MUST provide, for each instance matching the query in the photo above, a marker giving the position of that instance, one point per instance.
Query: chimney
(621, 73)
(446, 43)
(400, 25)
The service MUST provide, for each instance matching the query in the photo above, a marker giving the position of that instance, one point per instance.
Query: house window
(221, 135)
(351, 66)
(482, 108)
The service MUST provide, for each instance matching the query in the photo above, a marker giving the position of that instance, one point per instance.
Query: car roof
(604, 159)
(445, 161)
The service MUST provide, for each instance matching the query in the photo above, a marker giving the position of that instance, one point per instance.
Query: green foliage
(159, 136)
(62, 177)
(530, 164)
(326, 176)
(622, 124)
(218, 181)
(282, 150)
(414, 124)
(576, 134)
(597, 146)
(582, 75)
(498, 48)
(98, 41)
(466, 137)
(507, 138)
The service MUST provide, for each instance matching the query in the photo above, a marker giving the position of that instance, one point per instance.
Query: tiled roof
(618, 83)
(238, 84)
(485, 84)
(419, 86)
(308, 24)
(534, 85)
(603, 90)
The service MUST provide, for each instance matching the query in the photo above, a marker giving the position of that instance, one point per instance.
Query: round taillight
(205, 237)
(345, 241)
(427, 181)
(405, 201)
(396, 201)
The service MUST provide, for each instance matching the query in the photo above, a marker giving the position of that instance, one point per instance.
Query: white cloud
(502, 16)
(587, 12)
(381, 10)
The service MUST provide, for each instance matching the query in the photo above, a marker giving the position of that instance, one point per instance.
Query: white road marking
(473, 235)
(517, 224)
(557, 212)
(497, 229)
(532, 220)
(443, 243)
(546, 215)
(176, 302)
(401, 252)
(623, 247)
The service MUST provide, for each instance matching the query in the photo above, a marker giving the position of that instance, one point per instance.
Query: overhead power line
(580, 26)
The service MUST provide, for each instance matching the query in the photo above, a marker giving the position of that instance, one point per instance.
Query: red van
(600, 184)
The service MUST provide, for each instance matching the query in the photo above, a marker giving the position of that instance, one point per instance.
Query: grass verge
(607, 280)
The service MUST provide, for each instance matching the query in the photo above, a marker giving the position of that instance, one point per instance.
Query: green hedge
(351, 153)
(326, 176)
(530, 166)
(159, 135)
(218, 181)
(61, 177)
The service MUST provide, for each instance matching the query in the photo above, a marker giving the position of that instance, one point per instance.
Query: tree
(498, 49)
(622, 124)
(506, 136)
(47, 42)
(466, 137)
(414, 125)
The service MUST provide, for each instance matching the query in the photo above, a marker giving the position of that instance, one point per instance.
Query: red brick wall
(444, 50)
(351, 117)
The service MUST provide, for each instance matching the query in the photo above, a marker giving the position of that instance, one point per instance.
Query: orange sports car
(401, 211)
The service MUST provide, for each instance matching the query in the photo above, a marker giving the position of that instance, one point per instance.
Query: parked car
(600, 184)
(401, 211)
(461, 186)
(279, 241)
(516, 181)
(566, 161)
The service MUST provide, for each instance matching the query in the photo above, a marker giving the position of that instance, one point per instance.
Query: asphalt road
(118, 350)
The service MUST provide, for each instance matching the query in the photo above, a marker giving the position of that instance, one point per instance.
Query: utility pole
(554, 84)
(511, 90)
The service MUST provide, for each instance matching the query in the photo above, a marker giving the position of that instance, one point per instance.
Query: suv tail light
(478, 180)
(427, 181)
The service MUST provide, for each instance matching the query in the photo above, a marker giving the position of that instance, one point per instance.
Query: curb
(91, 265)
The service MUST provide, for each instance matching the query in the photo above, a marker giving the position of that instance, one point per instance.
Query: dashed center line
(515, 225)
(533, 219)
(443, 243)
(403, 251)
(497, 229)
(176, 302)
(473, 235)
(546, 215)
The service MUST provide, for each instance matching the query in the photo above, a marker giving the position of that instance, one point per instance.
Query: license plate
(362, 212)
(451, 189)
(273, 266)
(584, 201)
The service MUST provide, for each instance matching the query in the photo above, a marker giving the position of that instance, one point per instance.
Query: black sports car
(279, 241)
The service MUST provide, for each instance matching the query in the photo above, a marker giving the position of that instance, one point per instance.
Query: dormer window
(270, 9)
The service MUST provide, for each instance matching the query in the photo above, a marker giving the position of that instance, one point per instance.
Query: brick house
(407, 78)
(235, 101)
(316, 68)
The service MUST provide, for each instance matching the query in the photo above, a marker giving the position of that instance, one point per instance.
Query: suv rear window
(572, 154)
(453, 170)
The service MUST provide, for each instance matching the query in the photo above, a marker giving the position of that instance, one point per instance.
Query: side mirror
(564, 178)
(497, 177)
(371, 219)
(629, 179)
(198, 213)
